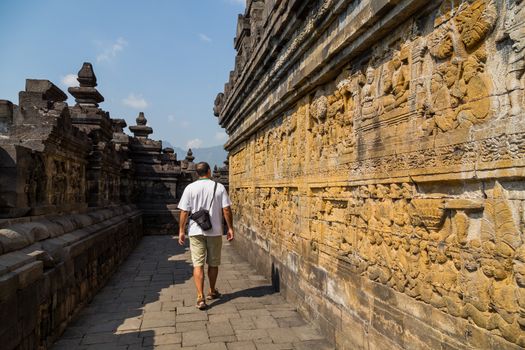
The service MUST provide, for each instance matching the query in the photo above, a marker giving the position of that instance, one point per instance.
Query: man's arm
(227, 212)
(182, 226)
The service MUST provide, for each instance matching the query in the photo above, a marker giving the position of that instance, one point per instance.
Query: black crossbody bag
(202, 216)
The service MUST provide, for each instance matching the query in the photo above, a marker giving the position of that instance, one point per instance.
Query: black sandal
(213, 294)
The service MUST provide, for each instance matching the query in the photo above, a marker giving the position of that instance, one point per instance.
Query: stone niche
(376, 154)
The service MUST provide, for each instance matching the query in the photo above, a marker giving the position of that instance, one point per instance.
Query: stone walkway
(150, 304)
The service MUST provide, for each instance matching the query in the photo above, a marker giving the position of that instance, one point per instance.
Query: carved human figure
(37, 182)
(59, 182)
(514, 29)
(519, 275)
(474, 286)
(354, 104)
(368, 94)
(475, 21)
(290, 133)
(398, 264)
(505, 305)
(318, 113)
(506, 296)
(388, 100)
(461, 27)
(442, 278)
(400, 213)
(75, 178)
(460, 31)
(378, 269)
(412, 288)
(350, 89)
(440, 41)
(401, 79)
(335, 116)
(460, 225)
(424, 287)
(385, 212)
(475, 90)
(396, 81)
(442, 99)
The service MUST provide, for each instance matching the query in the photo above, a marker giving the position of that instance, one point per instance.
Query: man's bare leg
(213, 272)
(198, 277)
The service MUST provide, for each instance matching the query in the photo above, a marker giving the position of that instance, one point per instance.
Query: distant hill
(212, 155)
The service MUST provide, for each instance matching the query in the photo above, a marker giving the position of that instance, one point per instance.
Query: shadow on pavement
(137, 307)
(255, 292)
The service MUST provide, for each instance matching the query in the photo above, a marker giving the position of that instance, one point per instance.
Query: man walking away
(205, 244)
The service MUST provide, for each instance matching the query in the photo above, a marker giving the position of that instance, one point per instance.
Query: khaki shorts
(206, 247)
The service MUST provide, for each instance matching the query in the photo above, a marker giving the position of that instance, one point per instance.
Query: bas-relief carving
(396, 81)
(374, 97)
(53, 181)
(58, 181)
(36, 185)
(513, 29)
(462, 255)
(459, 87)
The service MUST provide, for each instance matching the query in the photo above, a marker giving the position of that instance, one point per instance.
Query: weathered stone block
(8, 286)
(356, 328)
(28, 308)
(29, 273)
(10, 332)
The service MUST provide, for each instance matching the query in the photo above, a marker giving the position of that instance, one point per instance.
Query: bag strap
(212, 198)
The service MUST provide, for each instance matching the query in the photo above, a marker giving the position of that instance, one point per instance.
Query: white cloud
(221, 136)
(135, 101)
(69, 80)
(171, 118)
(195, 143)
(111, 51)
(205, 38)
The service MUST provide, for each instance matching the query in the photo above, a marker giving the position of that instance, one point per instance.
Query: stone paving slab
(149, 303)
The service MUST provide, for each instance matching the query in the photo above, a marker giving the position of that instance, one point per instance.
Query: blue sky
(168, 58)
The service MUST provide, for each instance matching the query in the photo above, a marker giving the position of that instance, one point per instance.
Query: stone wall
(52, 265)
(377, 156)
(74, 192)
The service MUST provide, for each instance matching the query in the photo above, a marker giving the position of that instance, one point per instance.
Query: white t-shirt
(196, 196)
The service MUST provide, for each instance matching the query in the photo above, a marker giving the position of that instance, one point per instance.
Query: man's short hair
(202, 168)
